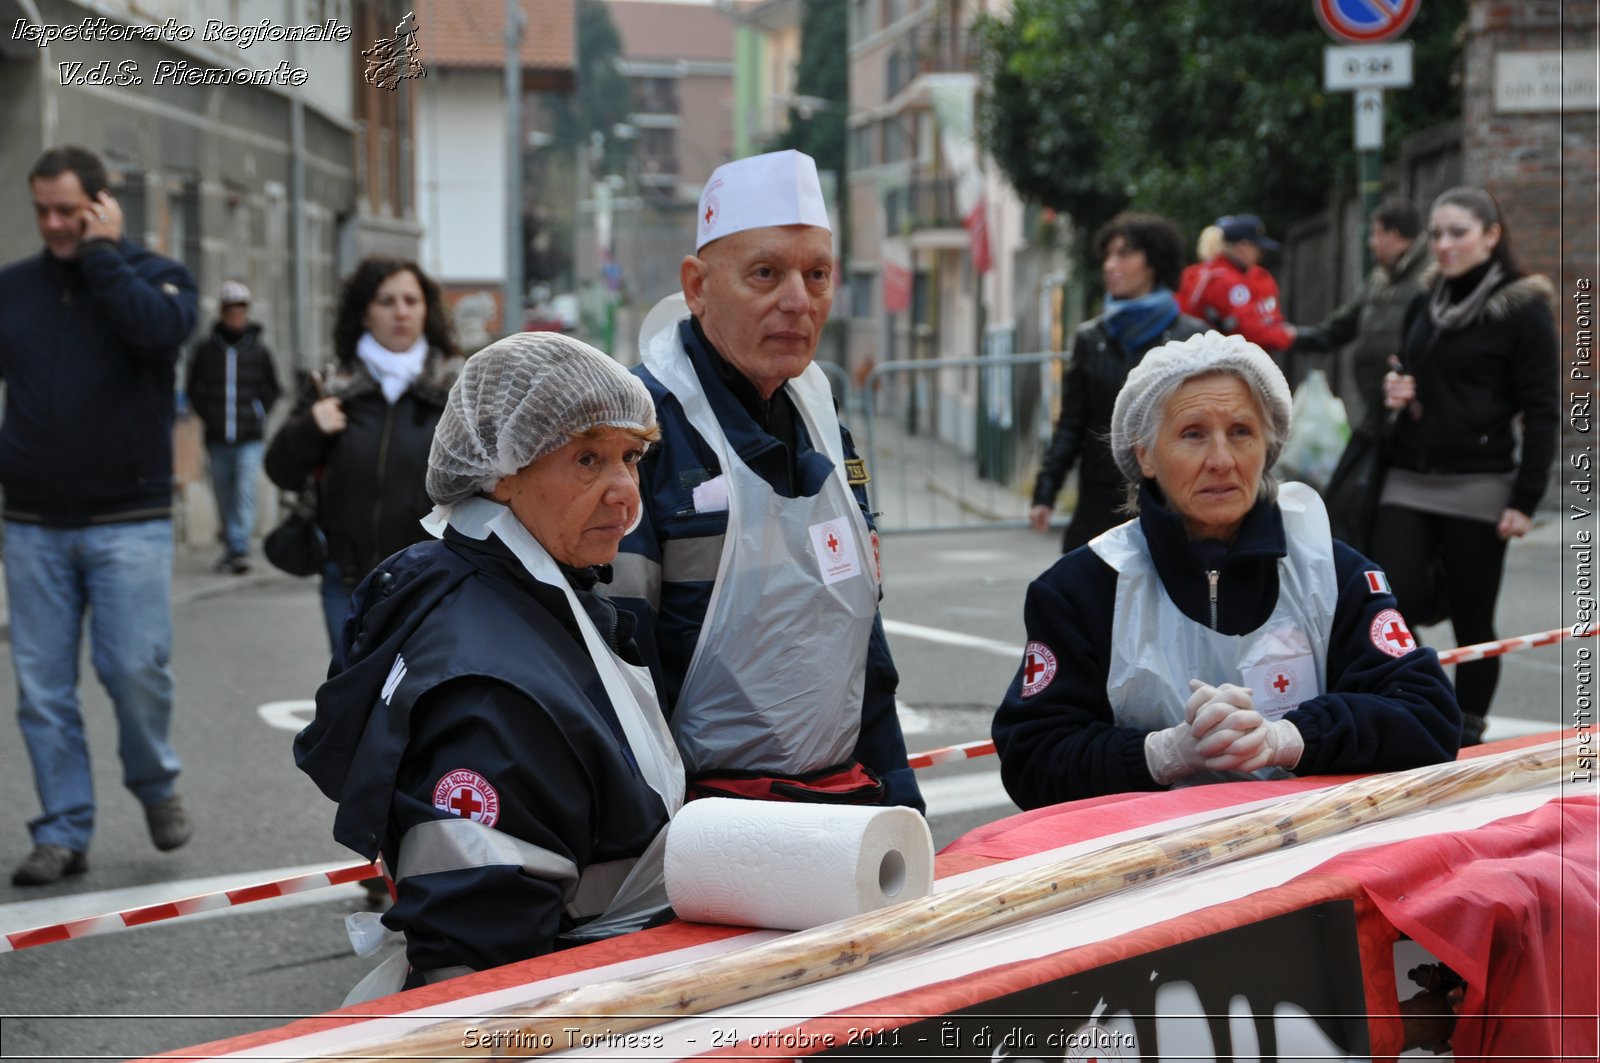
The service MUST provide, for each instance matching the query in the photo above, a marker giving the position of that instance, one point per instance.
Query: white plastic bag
(1318, 435)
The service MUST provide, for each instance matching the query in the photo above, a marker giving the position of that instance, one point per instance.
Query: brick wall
(1541, 166)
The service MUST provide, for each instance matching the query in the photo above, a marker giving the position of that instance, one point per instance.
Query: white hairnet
(1143, 399)
(520, 398)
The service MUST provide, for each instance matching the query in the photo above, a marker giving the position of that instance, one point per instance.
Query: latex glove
(1225, 718)
(1278, 745)
(1170, 754)
(1174, 752)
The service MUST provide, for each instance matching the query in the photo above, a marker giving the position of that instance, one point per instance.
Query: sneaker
(47, 864)
(224, 564)
(238, 564)
(168, 823)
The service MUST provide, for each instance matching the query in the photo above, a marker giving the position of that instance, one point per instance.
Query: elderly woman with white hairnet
(486, 724)
(1223, 633)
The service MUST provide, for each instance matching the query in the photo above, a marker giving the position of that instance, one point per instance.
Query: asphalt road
(953, 606)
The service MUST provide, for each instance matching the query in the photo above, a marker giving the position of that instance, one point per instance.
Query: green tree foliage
(1190, 108)
(823, 73)
(603, 97)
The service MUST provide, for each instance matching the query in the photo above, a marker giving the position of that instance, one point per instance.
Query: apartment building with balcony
(936, 235)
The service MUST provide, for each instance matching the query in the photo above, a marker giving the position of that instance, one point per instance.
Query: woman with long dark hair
(363, 427)
(1478, 353)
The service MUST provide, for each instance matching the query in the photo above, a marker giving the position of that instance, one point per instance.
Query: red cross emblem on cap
(1038, 668)
(709, 211)
(1391, 635)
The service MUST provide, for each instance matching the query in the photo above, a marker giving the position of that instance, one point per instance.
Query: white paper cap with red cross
(778, 188)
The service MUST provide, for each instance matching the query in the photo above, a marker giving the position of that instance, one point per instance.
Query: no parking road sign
(1365, 21)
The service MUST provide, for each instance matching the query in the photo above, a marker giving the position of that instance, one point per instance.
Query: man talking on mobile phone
(89, 335)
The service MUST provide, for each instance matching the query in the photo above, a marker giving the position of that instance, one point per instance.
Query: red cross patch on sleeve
(468, 795)
(1377, 582)
(1390, 634)
(1038, 668)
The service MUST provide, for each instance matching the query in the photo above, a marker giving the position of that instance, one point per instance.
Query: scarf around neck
(395, 371)
(1452, 317)
(1135, 322)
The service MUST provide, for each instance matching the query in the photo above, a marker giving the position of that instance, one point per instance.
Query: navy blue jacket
(1380, 713)
(668, 564)
(89, 354)
(495, 681)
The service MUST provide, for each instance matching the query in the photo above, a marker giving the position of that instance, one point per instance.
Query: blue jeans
(335, 602)
(121, 574)
(234, 470)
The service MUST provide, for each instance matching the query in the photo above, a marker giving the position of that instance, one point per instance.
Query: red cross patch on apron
(1390, 634)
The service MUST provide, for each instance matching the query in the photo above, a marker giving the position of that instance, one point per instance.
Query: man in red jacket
(1235, 293)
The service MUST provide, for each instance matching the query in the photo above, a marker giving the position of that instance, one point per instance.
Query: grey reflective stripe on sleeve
(443, 974)
(635, 576)
(689, 560)
(597, 886)
(458, 844)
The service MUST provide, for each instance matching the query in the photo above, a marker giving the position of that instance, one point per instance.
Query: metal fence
(952, 443)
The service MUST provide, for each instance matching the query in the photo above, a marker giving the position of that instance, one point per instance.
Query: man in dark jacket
(1368, 326)
(232, 385)
(89, 337)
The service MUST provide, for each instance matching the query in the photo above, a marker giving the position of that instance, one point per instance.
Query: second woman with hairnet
(486, 726)
(1224, 632)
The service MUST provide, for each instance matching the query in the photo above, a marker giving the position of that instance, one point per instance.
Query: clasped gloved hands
(1221, 732)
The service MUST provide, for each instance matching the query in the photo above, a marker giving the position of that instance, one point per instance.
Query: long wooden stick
(824, 952)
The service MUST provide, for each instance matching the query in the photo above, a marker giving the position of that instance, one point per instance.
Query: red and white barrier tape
(206, 902)
(1462, 654)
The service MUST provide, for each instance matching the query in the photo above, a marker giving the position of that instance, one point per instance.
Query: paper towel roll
(791, 866)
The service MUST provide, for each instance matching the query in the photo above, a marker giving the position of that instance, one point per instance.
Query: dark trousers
(1098, 509)
(1406, 542)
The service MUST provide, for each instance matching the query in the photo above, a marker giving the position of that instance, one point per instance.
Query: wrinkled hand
(329, 416)
(1514, 524)
(102, 218)
(1399, 389)
(1223, 721)
(1039, 517)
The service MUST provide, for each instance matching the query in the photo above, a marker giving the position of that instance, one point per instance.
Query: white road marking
(287, 715)
(952, 638)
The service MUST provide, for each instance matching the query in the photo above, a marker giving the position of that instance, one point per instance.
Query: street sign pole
(1365, 70)
(1369, 159)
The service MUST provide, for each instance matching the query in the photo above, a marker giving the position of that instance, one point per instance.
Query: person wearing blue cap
(754, 569)
(1235, 293)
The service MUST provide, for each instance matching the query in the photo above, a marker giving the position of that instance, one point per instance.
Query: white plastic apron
(1156, 649)
(778, 672)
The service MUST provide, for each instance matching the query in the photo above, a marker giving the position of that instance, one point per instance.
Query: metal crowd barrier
(947, 442)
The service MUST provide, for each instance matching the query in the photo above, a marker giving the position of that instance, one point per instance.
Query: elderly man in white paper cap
(754, 569)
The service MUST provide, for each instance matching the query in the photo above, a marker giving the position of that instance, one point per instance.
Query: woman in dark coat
(362, 429)
(1478, 354)
(1140, 258)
